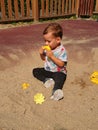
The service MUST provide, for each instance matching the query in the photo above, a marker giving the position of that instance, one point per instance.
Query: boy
(55, 60)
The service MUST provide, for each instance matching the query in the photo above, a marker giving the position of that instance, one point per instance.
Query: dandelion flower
(25, 85)
(94, 77)
(39, 98)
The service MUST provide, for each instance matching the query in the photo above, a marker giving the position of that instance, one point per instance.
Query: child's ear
(58, 39)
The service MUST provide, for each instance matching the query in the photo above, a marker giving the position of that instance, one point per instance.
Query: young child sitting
(55, 60)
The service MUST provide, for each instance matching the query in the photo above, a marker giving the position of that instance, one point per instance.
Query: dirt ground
(19, 55)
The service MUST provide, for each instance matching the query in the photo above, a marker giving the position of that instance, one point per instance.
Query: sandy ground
(79, 108)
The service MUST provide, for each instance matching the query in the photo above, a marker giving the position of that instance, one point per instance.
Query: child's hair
(55, 28)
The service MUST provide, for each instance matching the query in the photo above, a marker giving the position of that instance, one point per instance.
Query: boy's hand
(49, 54)
(41, 50)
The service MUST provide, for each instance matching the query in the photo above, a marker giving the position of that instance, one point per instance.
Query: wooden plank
(32, 9)
(96, 8)
(28, 8)
(16, 9)
(73, 6)
(69, 7)
(55, 7)
(55, 16)
(63, 6)
(35, 10)
(22, 8)
(59, 7)
(47, 7)
(10, 9)
(92, 6)
(3, 10)
(42, 7)
(77, 7)
(84, 7)
(87, 7)
(51, 7)
(66, 8)
(81, 7)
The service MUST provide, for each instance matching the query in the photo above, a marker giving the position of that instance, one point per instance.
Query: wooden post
(22, 8)
(66, 8)
(77, 7)
(96, 8)
(51, 7)
(10, 9)
(59, 7)
(91, 7)
(16, 9)
(28, 8)
(35, 10)
(47, 7)
(63, 7)
(42, 8)
(73, 6)
(3, 10)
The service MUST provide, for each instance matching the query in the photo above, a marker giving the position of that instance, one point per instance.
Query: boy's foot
(49, 83)
(58, 95)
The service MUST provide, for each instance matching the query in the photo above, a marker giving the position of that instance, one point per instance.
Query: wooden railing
(57, 8)
(17, 10)
(87, 7)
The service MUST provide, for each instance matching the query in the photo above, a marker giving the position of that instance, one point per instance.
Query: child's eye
(47, 41)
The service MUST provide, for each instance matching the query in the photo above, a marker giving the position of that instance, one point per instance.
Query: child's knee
(34, 72)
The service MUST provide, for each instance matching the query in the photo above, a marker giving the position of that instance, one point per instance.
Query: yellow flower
(94, 77)
(25, 85)
(39, 98)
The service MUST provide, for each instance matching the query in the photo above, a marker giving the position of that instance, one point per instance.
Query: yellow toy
(39, 98)
(94, 77)
(25, 85)
(46, 48)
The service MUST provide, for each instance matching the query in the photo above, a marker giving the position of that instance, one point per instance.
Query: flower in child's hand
(39, 98)
(46, 48)
(25, 85)
(94, 77)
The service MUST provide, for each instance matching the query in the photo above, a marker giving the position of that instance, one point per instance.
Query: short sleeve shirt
(60, 53)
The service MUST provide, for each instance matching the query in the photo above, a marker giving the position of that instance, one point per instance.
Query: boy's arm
(57, 61)
(54, 59)
(41, 52)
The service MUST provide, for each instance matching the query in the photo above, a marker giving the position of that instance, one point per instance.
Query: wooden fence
(86, 7)
(17, 10)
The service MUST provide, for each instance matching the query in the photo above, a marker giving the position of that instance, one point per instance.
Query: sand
(79, 108)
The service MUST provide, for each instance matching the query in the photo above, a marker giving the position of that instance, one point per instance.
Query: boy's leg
(41, 74)
(59, 79)
(57, 92)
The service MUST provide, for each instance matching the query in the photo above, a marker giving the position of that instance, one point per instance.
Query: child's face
(51, 40)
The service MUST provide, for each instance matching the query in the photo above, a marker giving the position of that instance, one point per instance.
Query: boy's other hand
(41, 50)
(49, 54)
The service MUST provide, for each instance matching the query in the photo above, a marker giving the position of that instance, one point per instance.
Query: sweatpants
(58, 77)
